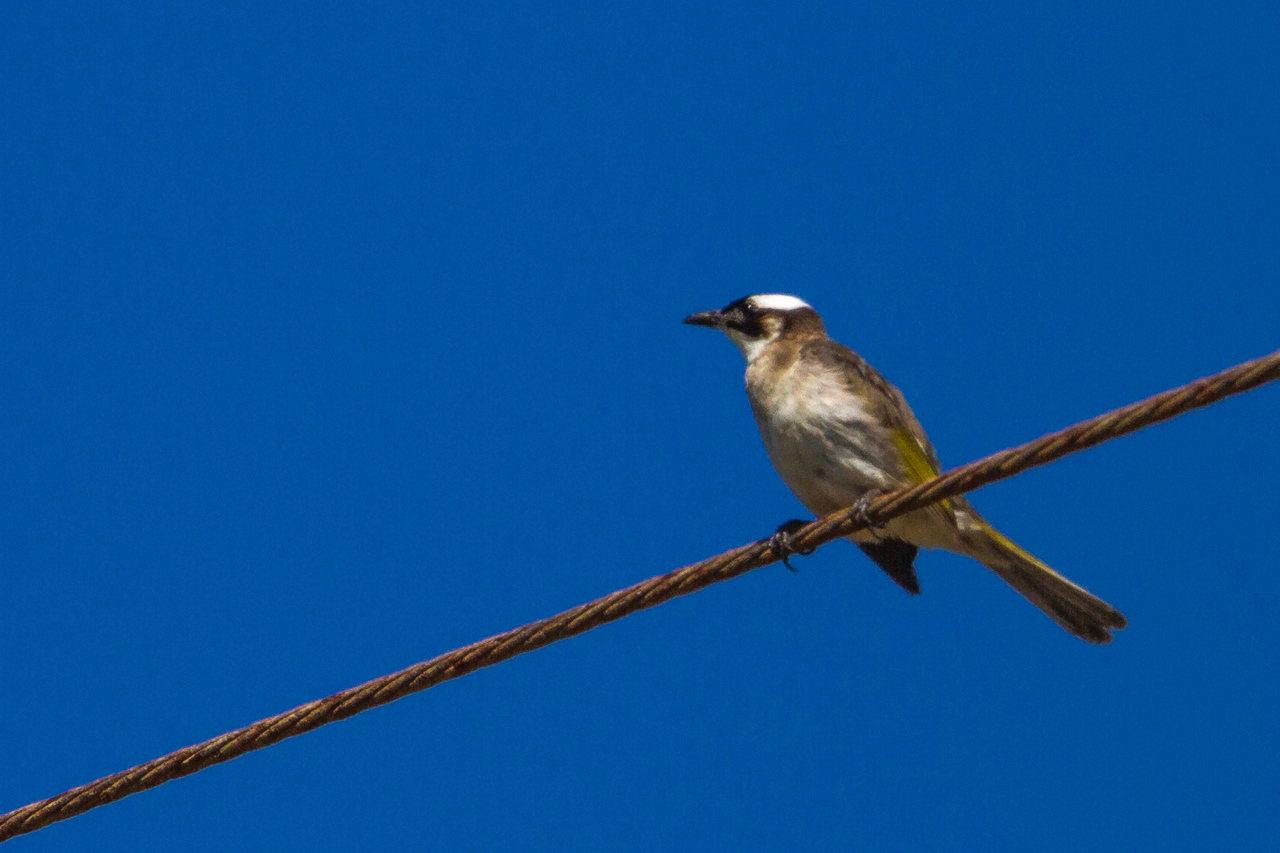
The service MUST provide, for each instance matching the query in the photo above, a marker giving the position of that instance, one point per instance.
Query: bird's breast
(826, 444)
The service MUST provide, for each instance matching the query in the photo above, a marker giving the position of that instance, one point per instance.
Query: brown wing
(918, 460)
(886, 400)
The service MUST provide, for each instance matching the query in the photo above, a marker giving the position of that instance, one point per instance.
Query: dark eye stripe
(742, 317)
(747, 324)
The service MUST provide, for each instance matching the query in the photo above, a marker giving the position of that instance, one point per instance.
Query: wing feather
(919, 460)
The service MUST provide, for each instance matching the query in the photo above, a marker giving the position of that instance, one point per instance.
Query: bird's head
(754, 322)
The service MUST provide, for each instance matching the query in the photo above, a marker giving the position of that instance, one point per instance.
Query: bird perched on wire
(839, 433)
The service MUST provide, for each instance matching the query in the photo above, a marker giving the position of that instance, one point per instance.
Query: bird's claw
(859, 512)
(780, 542)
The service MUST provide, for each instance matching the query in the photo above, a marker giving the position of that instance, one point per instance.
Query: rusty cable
(641, 596)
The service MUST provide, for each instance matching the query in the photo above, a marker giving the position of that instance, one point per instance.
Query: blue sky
(335, 337)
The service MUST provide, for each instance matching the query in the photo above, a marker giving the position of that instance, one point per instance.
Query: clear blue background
(333, 338)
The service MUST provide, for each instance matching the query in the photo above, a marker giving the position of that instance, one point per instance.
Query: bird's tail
(1071, 606)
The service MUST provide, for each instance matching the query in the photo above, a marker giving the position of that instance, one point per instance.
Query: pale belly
(831, 465)
(827, 467)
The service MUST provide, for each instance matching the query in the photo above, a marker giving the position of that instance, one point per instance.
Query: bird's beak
(710, 319)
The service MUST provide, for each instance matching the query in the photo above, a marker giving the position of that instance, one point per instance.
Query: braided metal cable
(643, 595)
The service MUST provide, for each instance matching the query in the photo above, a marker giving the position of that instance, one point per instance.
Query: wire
(641, 596)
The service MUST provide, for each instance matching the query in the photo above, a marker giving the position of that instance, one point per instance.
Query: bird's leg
(858, 512)
(780, 542)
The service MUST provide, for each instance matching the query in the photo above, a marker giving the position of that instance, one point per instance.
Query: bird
(839, 434)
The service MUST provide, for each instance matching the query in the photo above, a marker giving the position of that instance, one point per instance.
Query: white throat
(751, 347)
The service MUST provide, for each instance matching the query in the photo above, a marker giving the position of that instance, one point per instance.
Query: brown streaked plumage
(836, 430)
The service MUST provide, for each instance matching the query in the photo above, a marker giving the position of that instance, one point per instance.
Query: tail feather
(1071, 606)
(896, 558)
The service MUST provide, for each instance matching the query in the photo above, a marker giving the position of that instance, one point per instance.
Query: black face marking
(742, 318)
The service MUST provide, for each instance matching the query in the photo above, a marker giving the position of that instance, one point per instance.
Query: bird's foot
(858, 512)
(780, 542)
